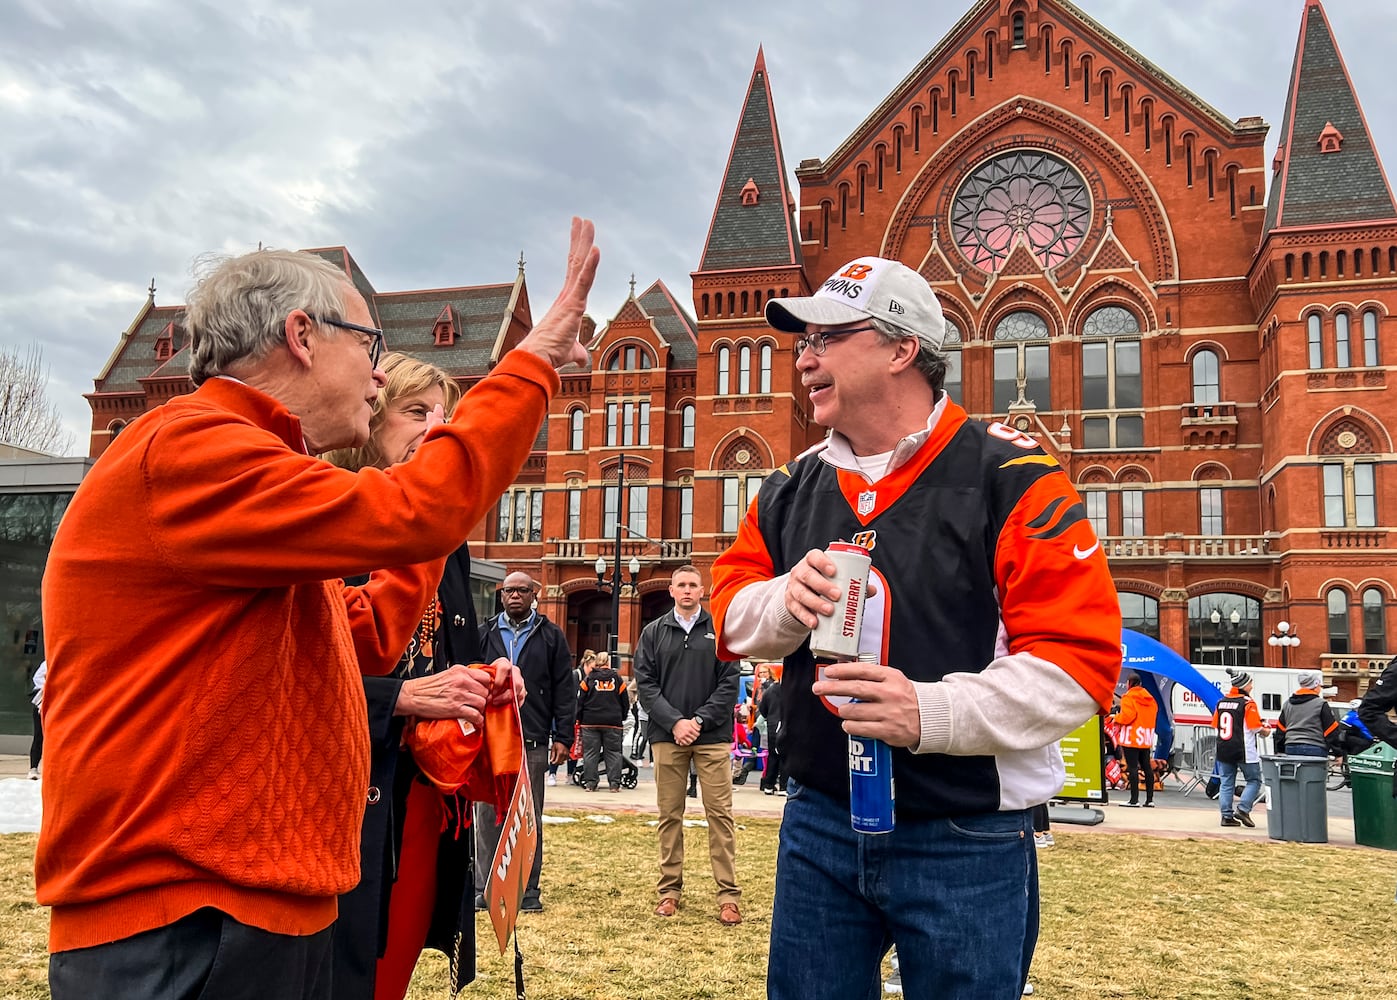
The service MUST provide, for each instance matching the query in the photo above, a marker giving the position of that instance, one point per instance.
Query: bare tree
(28, 418)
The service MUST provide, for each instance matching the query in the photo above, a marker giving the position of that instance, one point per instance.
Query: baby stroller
(630, 771)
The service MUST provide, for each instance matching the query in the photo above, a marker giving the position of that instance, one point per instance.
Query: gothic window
(686, 422)
(686, 512)
(1026, 358)
(574, 513)
(1350, 497)
(1206, 387)
(744, 370)
(1370, 338)
(1315, 338)
(1374, 622)
(764, 370)
(1020, 41)
(738, 493)
(1139, 613)
(1022, 191)
(629, 358)
(1342, 357)
(1111, 379)
(575, 424)
(951, 348)
(724, 364)
(613, 417)
(1336, 603)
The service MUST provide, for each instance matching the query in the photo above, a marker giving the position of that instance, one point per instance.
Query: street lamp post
(615, 582)
(1234, 619)
(1284, 636)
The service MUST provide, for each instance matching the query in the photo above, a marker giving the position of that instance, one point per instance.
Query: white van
(1271, 687)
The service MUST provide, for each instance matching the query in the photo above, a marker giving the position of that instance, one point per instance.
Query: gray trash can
(1297, 808)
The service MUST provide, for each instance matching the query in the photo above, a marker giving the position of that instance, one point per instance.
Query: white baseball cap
(867, 288)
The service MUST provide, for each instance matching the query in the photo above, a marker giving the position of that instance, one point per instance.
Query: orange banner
(514, 857)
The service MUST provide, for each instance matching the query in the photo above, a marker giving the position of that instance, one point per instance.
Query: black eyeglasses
(375, 348)
(517, 590)
(817, 342)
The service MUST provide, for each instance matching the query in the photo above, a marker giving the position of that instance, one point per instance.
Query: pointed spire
(762, 231)
(632, 284)
(521, 263)
(151, 289)
(1315, 183)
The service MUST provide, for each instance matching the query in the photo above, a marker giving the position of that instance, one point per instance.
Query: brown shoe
(729, 915)
(667, 907)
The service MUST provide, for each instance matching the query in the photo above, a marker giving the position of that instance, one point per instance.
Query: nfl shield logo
(867, 500)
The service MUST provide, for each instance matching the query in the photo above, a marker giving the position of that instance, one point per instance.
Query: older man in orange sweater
(208, 740)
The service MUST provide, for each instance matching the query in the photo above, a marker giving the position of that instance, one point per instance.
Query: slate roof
(135, 357)
(409, 320)
(342, 259)
(673, 324)
(760, 235)
(1313, 188)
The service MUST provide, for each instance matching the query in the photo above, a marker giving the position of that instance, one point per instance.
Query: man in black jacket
(690, 695)
(773, 778)
(540, 650)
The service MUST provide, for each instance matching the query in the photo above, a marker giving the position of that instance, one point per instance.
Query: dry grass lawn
(1123, 916)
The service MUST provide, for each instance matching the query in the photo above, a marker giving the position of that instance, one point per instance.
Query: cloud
(438, 141)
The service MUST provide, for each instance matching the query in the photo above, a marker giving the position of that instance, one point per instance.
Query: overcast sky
(437, 140)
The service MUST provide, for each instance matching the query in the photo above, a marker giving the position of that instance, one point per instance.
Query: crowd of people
(270, 708)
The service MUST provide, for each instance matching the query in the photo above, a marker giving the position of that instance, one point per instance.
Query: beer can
(836, 636)
(871, 792)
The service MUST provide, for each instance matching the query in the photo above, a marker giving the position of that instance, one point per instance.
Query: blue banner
(1157, 663)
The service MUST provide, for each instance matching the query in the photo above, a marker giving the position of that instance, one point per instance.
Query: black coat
(1380, 699)
(679, 676)
(770, 709)
(361, 933)
(544, 659)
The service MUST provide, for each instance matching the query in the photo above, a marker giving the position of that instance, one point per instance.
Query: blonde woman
(417, 874)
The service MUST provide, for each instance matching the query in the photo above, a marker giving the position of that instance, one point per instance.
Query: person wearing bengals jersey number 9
(997, 632)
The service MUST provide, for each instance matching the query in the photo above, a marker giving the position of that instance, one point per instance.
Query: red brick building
(1201, 338)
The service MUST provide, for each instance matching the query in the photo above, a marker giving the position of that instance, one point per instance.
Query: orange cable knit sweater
(206, 735)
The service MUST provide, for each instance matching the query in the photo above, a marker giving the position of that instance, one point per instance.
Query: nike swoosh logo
(1083, 553)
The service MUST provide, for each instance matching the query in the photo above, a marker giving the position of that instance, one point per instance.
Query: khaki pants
(714, 766)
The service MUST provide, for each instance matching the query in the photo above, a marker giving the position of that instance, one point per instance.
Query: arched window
(1139, 613)
(1224, 629)
(1020, 41)
(1315, 338)
(1024, 358)
(724, 367)
(764, 371)
(686, 424)
(951, 348)
(575, 426)
(1374, 622)
(744, 370)
(1206, 388)
(629, 358)
(1337, 603)
(1111, 379)
(1342, 357)
(1370, 338)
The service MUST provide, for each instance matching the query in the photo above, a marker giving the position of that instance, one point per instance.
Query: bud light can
(870, 780)
(836, 637)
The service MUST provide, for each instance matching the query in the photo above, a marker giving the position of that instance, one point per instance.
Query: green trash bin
(1374, 808)
(1297, 809)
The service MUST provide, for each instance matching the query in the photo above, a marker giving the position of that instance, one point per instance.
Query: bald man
(540, 650)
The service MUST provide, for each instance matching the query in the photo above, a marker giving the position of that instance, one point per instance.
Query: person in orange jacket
(1136, 721)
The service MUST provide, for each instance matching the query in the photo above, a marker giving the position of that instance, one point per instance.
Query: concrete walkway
(1174, 816)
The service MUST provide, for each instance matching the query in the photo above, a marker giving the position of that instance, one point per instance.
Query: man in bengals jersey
(996, 632)
(1238, 722)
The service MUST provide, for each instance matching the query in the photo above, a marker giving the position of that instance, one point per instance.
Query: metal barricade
(1203, 757)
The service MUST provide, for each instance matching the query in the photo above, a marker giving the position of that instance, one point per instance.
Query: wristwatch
(698, 720)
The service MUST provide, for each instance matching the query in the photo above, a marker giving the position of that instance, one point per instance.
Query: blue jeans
(1227, 774)
(1306, 750)
(959, 899)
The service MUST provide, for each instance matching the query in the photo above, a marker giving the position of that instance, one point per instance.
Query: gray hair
(932, 364)
(238, 310)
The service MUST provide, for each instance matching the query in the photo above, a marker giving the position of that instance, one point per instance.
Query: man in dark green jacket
(689, 695)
